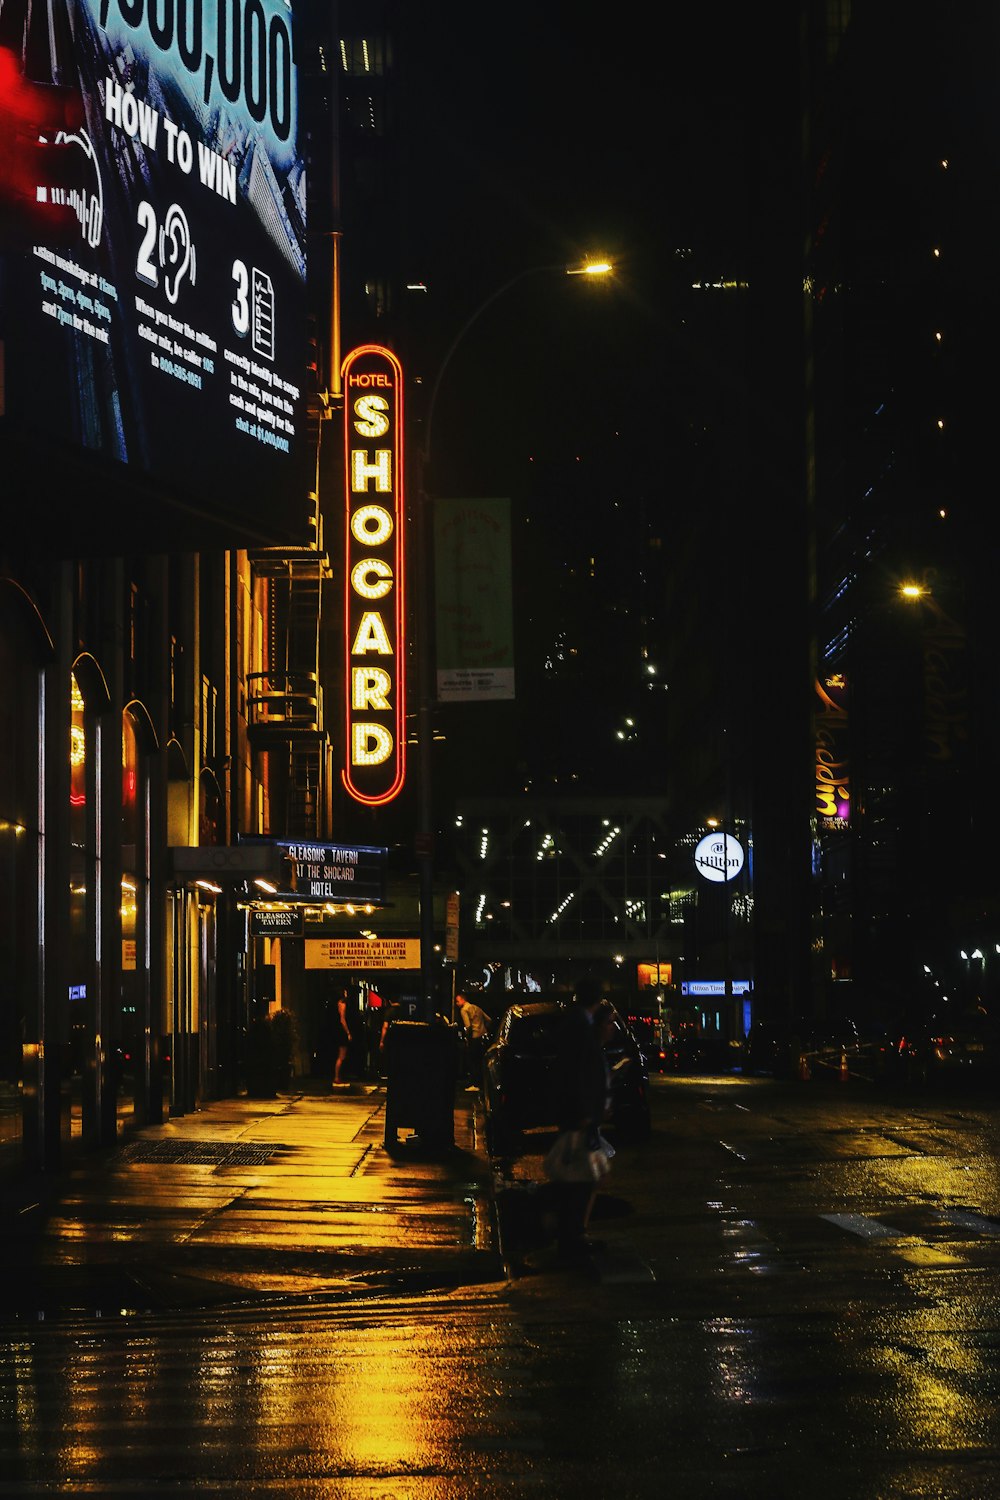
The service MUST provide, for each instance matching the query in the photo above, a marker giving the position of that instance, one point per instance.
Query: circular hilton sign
(718, 856)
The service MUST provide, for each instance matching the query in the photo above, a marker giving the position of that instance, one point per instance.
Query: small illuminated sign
(650, 976)
(718, 856)
(715, 987)
(374, 577)
(362, 953)
(275, 923)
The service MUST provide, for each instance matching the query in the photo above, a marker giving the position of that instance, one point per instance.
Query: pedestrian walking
(476, 1025)
(583, 1086)
(341, 1028)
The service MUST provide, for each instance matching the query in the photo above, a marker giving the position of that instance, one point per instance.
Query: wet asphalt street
(797, 1292)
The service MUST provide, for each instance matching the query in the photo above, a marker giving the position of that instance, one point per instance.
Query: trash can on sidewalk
(421, 1072)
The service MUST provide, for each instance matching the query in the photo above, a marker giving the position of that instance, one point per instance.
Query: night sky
(613, 416)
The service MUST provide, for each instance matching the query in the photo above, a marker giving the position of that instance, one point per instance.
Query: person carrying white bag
(580, 1157)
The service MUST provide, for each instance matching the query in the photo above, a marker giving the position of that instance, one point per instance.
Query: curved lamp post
(424, 843)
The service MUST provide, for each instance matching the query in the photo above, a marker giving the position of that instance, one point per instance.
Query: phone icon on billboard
(263, 314)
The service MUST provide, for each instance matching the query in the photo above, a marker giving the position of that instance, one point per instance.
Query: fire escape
(285, 701)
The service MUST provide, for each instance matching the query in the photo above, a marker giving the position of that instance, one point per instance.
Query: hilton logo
(718, 857)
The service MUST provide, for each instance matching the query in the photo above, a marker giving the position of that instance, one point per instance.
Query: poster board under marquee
(362, 953)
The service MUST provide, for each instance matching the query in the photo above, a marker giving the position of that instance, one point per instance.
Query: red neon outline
(399, 559)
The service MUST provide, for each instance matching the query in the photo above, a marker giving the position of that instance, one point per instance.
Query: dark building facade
(174, 716)
(901, 147)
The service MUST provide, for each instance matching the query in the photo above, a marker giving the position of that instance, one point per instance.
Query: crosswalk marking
(911, 1247)
(864, 1226)
(964, 1220)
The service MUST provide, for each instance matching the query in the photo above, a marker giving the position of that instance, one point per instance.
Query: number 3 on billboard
(241, 305)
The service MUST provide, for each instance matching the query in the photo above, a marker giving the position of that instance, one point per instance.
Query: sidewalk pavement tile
(246, 1198)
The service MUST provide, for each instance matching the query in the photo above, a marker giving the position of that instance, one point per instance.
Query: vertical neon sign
(374, 577)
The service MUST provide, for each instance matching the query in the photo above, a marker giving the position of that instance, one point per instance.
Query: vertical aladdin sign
(374, 620)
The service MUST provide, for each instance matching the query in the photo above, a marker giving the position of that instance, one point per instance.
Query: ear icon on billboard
(177, 255)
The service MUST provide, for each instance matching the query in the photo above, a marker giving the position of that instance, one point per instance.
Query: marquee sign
(374, 577)
(333, 872)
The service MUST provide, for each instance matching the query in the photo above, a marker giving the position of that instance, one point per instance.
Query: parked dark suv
(520, 1087)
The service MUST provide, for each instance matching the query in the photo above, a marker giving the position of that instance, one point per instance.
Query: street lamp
(424, 843)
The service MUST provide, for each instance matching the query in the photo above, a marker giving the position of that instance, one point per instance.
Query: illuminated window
(363, 56)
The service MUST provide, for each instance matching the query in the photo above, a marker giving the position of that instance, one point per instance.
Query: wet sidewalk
(255, 1198)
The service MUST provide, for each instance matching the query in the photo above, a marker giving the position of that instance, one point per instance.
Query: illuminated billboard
(833, 781)
(374, 576)
(164, 339)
